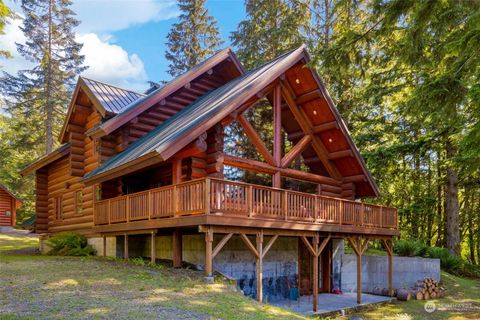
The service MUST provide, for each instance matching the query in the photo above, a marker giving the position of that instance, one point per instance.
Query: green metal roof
(212, 108)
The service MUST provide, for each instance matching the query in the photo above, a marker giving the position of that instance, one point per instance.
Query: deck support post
(177, 248)
(209, 254)
(104, 246)
(153, 245)
(315, 250)
(389, 247)
(359, 247)
(260, 266)
(315, 273)
(125, 247)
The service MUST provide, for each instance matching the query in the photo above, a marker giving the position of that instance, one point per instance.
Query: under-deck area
(201, 218)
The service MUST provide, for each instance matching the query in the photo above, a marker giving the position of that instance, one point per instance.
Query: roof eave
(126, 168)
(46, 160)
(343, 127)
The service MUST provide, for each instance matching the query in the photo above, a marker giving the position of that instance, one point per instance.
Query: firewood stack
(426, 289)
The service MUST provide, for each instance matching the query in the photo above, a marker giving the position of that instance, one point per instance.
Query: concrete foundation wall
(406, 271)
(97, 244)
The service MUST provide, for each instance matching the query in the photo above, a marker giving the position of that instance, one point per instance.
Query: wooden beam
(153, 248)
(340, 154)
(315, 273)
(277, 134)
(125, 247)
(259, 166)
(221, 244)
(389, 247)
(176, 170)
(306, 126)
(325, 126)
(255, 139)
(249, 244)
(104, 246)
(270, 244)
(312, 250)
(260, 266)
(177, 248)
(306, 97)
(194, 148)
(355, 178)
(323, 244)
(296, 151)
(208, 252)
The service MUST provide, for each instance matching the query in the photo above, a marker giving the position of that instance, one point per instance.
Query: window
(58, 207)
(97, 147)
(78, 202)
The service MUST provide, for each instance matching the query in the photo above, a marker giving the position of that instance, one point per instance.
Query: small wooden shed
(9, 203)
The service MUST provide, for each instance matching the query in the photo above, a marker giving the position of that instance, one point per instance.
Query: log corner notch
(315, 248)
(359, 245)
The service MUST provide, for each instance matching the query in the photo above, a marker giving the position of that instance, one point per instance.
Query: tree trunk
(452, 214)
(48, 89)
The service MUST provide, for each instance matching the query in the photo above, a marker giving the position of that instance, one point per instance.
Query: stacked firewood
(424, 289)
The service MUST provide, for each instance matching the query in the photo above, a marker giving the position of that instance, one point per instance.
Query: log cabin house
(9, 203)
(145, 174)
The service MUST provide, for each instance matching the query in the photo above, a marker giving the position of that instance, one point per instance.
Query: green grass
(460, 291)
(33, 286)
(38, 287)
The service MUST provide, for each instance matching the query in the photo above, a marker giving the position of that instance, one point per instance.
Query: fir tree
(193, 38)
(5, 13)
(39, 96)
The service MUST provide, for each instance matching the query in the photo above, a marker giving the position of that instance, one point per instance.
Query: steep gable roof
(144, 103)
(174, 134)
(105, 97)
(112, 98)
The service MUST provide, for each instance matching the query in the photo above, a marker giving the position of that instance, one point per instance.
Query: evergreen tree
(5, 13)
(39, 96)
(193, 38)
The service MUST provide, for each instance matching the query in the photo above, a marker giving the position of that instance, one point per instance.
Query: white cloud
(13, 35)
(111, 63)
(103, 16)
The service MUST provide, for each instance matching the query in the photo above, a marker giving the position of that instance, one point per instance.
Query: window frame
(78, 203)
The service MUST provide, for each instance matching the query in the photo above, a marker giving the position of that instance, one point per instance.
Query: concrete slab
(329, 303)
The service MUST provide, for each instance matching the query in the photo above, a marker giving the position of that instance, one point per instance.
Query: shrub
(470, 270)
(70, 244)
(405, 248)
(448, 261)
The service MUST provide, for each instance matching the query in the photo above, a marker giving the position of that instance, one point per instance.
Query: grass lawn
(39, 287)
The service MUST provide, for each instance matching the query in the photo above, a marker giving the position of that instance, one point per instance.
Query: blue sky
(124, 40)
(148, 40)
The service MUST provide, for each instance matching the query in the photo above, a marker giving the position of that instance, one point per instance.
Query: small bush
(470, 270)
(405, 248)
(448, 261)
(70, 244)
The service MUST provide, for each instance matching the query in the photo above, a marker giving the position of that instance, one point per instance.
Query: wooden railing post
(381, 218)
(149, 204)
(127, 208)
(315, 209)
(285, 204)
(340, 209)
(109, 210)
(207, 195)
(362, 214)
(175, 201)
(250, 200)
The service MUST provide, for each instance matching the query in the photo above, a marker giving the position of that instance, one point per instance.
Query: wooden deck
(225, 202)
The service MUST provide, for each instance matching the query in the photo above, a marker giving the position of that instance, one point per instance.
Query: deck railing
(231, 198)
